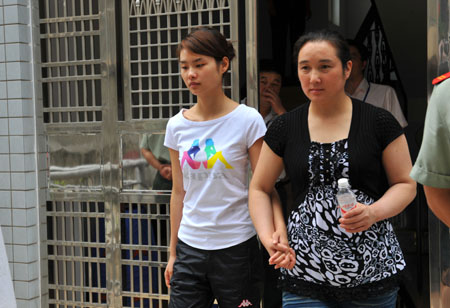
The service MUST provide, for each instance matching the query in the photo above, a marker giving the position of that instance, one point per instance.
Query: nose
(192, 73)
(315, 76)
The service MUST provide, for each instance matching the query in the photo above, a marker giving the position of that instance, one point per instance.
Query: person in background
(376, 94)
(270, 82)
(214, 252)
(349, 260)
(154, 152)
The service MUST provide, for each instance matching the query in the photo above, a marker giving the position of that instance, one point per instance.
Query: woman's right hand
(169, 270)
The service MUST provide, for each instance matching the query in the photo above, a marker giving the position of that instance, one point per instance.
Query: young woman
(213, 249)
(341, 261)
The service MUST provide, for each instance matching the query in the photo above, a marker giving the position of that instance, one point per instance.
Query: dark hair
(363, 52)
(269, 66)
(325, 35)
(209, 42)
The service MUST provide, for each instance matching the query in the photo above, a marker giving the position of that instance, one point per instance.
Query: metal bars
(153, 88)
(76, 253)
(71, 61)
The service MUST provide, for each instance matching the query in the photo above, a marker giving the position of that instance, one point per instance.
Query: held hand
(275, 101)
(166, 171)
(284, 256)
(169, 270)
(285, 259)
(358, 219)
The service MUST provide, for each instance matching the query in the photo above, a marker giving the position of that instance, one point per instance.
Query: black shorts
(231, 275)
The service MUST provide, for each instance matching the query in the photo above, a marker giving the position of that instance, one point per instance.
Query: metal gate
(110, 76)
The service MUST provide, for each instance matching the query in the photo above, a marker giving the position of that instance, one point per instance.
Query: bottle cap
(343, 183)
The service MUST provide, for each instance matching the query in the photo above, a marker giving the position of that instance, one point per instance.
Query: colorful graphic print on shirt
(195, 157)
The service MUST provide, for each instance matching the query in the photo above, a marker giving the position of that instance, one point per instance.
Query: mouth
(315, 91)
(194, 84)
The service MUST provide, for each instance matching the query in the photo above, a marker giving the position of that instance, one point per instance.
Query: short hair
(325, 35)
(209, 42)
(268, 66)
(362, 49)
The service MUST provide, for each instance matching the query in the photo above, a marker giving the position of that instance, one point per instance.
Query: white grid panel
(155, 29)
(71, 61)
(77, 254)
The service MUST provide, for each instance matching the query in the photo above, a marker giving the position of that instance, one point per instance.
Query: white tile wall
(16, 14)
(20, 196)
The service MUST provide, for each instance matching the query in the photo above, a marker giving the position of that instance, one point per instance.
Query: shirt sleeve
(276, 135)
(169, 138)
(432, 167)
(387, 128)
(393, 105)
(256, 128)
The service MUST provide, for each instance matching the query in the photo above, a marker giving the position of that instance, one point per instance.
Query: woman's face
(201, 73)
(320, 71)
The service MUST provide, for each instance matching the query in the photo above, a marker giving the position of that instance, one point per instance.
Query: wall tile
(20, 236)
(18, 199)
(17, 162)
(4, 130)
(25, 253)
(5, 217)
(18, 71)
(20, 89)
(18, 52)
(7, 235)
(20, 108)
(3, 108)
(5, 163)
(2, 71)
(5, 197)
(2, 34)
(16, 144)
(5, 181)
(16, 14)
(18, 180)
(4, 145)
(19, 218)
(19, 2)
(3, 92)
(17, 34)
(1, 15)
(2, 53)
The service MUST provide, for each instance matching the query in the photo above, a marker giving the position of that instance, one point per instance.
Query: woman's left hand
(358, 219)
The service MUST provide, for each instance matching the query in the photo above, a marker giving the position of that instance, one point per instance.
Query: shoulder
(175, 120)
(441, 78)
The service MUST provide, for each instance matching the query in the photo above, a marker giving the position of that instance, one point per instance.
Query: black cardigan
(372, 129)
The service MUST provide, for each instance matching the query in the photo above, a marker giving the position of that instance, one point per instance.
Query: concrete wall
(22, 153)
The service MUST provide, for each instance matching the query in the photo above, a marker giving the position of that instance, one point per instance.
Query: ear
(364, 64)
(348, 69)
(224, 64)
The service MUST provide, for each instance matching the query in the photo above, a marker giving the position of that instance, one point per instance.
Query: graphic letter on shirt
(211, 156)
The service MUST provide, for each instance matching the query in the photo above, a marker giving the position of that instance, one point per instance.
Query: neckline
(350, 132)
(208, 122)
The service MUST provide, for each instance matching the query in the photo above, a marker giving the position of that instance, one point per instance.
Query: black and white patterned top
(329, 259)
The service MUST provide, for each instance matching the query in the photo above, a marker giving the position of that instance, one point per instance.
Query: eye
(183, 67)
(325, 66)
(304, 68)
(200, 65)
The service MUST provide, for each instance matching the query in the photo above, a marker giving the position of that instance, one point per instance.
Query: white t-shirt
(214, 162)
(382, 96)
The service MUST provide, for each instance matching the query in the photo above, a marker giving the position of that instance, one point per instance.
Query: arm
(176, 212)
(439, 202)
(267, 217)
(164, 169)
(402, 190)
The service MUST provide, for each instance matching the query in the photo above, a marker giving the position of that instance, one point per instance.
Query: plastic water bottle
(345, 197)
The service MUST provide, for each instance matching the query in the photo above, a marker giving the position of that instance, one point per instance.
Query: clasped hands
(281, 255)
